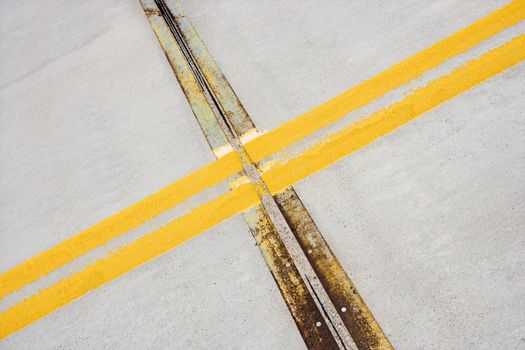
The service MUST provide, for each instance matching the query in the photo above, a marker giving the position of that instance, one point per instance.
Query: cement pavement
(426, 220)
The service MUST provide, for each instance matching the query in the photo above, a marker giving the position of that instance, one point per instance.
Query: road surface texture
(427, 220)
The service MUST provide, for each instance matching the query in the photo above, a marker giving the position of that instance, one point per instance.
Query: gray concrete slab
(427, 220)
(92, 120)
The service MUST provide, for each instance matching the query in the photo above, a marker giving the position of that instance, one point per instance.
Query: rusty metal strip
(356, 315)
(352, 310)
(224, 118)
(198, 103)
(230, 103)
(294, 291)
(332, 321)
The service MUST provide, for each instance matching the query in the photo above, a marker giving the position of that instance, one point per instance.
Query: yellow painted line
(118, 224)
(258, 148)
(362, 133)
(127, 258)
(278, 178)
(396, 76)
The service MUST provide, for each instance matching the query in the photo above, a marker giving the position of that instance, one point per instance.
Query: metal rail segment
(289, 240)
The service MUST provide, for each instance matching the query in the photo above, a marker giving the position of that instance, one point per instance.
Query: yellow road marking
(278, 178)
(394, 77)
(127, 258)
(118, 224)
(259, 148)
(364, 132)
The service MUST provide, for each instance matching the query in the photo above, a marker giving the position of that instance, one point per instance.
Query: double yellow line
(277, 178)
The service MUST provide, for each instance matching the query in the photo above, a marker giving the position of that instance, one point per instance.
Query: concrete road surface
(428, 221)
